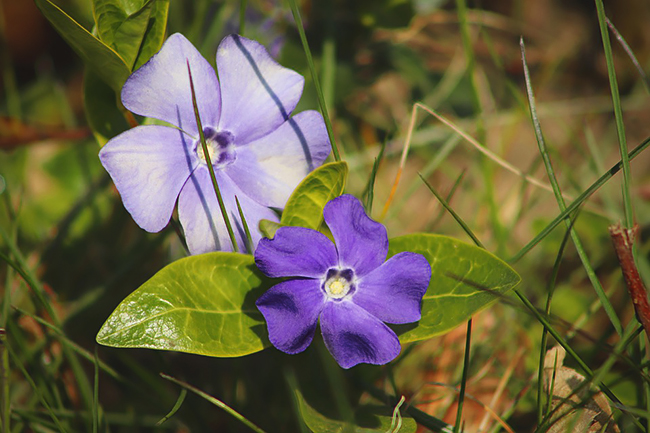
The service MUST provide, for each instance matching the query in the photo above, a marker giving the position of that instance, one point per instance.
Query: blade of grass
(242, 16)
(95, 412)
(208, 161)
(452, 191)
(292, 383)
(337, 385)
(453, 213)
(618, 114)
(588, 372)
(630, 54)
(550, 288)
(30, 278)
(249, 239)
(214, 401)
(177, 405)
(463, 382)
(4, 382)
(17, 362)
(369, 192)
(591, 274)
(314, 76)
(578, 201)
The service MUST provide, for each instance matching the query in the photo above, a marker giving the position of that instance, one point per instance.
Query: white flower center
(221, 148)
(337, 286)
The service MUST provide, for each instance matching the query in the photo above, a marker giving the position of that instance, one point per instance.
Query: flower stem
(249, 239)
(206, 153)
(314, 76)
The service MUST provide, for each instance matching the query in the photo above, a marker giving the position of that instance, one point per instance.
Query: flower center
(221, 148)
(338, 283)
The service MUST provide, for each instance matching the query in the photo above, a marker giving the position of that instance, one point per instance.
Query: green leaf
(108, 65)
(155, 32)
(120, 28)
(201, 304)
(464, 280)
(268, 228)
(305, 206)
(102, 113)
(368, 419)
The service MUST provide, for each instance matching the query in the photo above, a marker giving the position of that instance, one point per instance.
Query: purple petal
(149, 165)
(361, 242)
(258, 94)
(296, 252)
(281, 159)
(393, 292)
(291, 310)
(201, 218)
(352, 335)
(161, 87)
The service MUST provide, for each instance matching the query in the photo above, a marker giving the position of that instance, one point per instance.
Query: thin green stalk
(215, 402)
(453, 213)
(30, 278)
(578, 201)
(621, 40)
(463, 383)
(618, 114)
(4, 382)
(36, 390)
(542, 352)
(314, 76)
(369, 192)
(607, 306)
(292, 383)
(95, 412)
(208, 161)
(249, 239)
(177, 405)
(242, 17)
(337, 385)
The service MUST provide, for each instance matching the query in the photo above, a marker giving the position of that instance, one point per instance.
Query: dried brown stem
(623, 244)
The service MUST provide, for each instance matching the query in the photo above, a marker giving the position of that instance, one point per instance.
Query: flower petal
(201, 218)
(258, 94)
(295, 251)
(291, 310)
(161, 87)
(352, 335)
(281, 159)
(149, 165)
(393, 292)
(361, 242)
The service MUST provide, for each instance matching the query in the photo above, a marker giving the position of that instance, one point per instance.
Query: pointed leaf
(108, 65)
(120, 28)
(202, 304)
(367, 419)
(464, 280)
(155, 33)
(305, 206)
(102, 112)
(268, 228)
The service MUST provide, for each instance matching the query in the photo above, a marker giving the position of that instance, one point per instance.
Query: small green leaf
(464, 280)
(102, 112)
(122, 29)
(268, 228)
(368, 419)
(108, 65)
(155, 32)
(305, 206)
(201, 304)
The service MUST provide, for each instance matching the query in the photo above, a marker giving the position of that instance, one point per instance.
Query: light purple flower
(258, 152)
(350, 287)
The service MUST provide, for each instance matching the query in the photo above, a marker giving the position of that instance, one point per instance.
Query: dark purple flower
(349, 287)
(258, 152)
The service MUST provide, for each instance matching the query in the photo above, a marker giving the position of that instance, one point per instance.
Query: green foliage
(105, 61)
(367, 419)
(101, 105)
(464, 280)
(202, 304)
(305, 206)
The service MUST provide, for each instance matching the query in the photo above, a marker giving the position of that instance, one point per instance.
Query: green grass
(489, 147)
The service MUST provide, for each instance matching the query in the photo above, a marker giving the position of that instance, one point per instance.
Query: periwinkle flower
(349, 286)
(259, 153)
